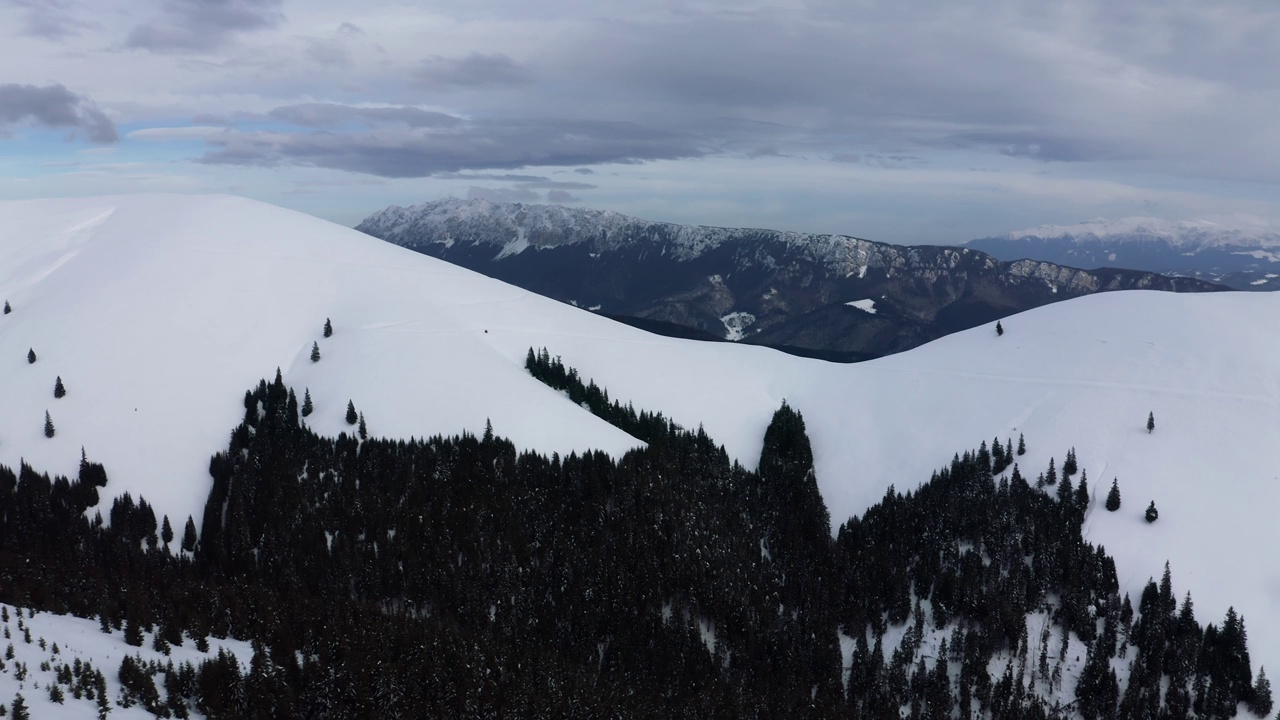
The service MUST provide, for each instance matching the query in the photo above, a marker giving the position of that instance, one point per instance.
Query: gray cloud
(562, 196)
(1038, 146)
(584, 171)
(474, 70)
(329, 52)
(879, 160)
(54, 106)
(503, 194)
(332, 115)
(211, 119)
(50, 19)
(203, 25)
(407, 142)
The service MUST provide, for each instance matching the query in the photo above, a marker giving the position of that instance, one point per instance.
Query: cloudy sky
(926, 121)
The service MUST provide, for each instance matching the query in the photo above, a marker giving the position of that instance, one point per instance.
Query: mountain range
(829, 296)
(164, 318)
(1244, 258)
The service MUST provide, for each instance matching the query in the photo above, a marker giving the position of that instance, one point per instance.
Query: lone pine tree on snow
(58, 389)
(307, 407)
(1151, 422)
(1152, 513)
(364, 429)
(999, 329)
(328, 328)
(31, 356)
(1113, 497)
(1022, 445)
(352, 417)
(48, 425)
(315, 352)
(7, 309)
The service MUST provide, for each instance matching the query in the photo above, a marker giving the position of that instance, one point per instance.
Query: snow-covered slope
(159, 312)
(63, 640)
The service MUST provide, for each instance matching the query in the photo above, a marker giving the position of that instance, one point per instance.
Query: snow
(158, 312)
(83, 639)
(1180, 233)
(868, 305)
(736, 325)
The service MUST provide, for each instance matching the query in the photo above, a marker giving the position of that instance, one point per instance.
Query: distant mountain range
(831, 296)
(1242, 258)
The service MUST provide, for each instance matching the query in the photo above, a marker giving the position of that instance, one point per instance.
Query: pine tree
(315, 352)
(1082, 492)
(166, 532)
(1261, 701)
(1152, 513)
(1022, 445)
(58, 389)
(189, 536)
(328, 328)
(132, 632)
(7, 309)
(31, 356)
(48, 425)
(19, 710)
(999, 329)
(307, 407)
(1151, 422)
(1113, 497)
(1069, 466)
(364, 429)
(55, 693)
(352, 417)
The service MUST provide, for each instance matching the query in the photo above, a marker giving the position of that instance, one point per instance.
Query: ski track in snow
(159, 312)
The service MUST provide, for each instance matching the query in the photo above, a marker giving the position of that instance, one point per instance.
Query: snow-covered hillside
(56, 640)
(158, 312)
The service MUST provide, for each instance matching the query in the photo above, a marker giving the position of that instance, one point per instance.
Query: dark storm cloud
(203, 25)
(54, 106)
(332, 115)
(407, 142)
(474, 70)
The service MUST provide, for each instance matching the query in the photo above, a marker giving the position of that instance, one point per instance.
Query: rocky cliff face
(784, 289)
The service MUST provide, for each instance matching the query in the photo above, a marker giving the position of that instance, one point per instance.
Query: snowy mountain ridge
(793, 286)
(1188, 234)
(159, 312)
(519, 225)
(1241, 255)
